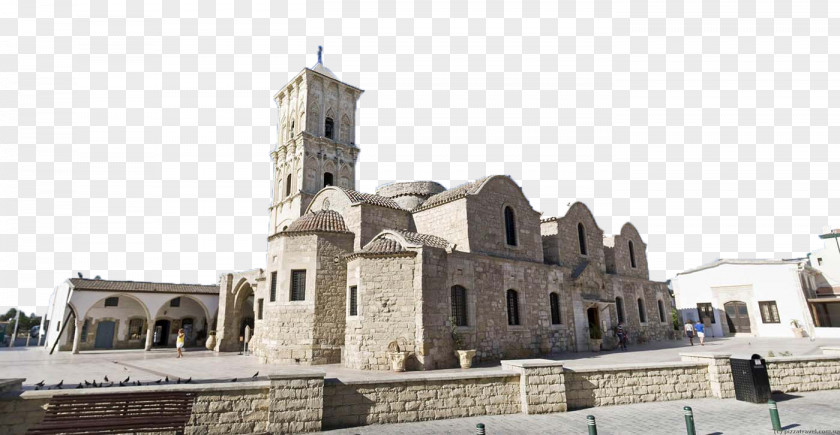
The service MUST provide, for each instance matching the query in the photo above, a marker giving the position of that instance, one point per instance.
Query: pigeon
(60, 384)
(158, 381)
(79, 386)
(122, 384)
(255, 375)
(188, 380)
(87, 384)
(167, 379)
(80, 274)
(126, 379)
(178, 381)
(233, 380)
(94, 384)
(40, 384)
(137, 383)
(106, 379)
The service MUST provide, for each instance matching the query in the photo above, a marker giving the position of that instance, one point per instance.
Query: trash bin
(749, 374)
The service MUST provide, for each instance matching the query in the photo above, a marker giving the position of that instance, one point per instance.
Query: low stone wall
(403, 399)
(303, 401)
(639, 383)
(804, 373)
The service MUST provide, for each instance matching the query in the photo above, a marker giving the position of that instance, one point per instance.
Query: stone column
(150, 333)
(542, 385)
(296, 402)
(77, 335)
(720, 372)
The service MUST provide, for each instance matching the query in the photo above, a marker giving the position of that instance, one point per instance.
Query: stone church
(349, 272)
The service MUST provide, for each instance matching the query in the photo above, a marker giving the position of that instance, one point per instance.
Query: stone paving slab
(35, 364)
(817, 412)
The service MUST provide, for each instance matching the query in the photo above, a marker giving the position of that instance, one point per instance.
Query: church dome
(327, 221)
(410, 194)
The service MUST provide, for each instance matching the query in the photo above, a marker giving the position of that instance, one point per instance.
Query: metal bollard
(590, 422)
(774, 415)
(479, 429)
(689, 421)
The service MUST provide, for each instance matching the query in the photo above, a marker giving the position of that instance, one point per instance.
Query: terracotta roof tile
(142, 287)
(424, 239)
(329, 221)
(452, 194)
(370, 198)
(383, 245)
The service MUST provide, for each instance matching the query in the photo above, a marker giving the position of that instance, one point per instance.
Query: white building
(825, 299)
(749, 297)
(86, 314)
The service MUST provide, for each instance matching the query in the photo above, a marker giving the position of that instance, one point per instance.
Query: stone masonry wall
(790, 374)
(330, 298)
(242, 410)
(631, 289)
(485, 214)
(374, 219)
(568, 246)
(378, 402)
(387, 312)
(636, 384)
(448, 221)
(296, 403)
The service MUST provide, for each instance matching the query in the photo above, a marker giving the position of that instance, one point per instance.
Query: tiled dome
(329, 221)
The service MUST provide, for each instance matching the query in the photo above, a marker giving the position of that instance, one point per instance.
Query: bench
(116, 413)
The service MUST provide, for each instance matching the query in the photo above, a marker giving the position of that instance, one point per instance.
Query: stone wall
(374, 219)
(620, 385)
(448, 221)
(567, 246)
(329, 298)
(485, 214)
(808, 373)
(243, 409)
(406, 400)
(387, 311)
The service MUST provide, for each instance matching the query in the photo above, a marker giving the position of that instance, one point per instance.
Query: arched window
(513, 307)
(288, 185)
(459, 305)
(661, 310)
(292, 130)
(328, 179)
(510, 226)
(619, 309)
(582, 238)
(554, 302)
(328, 128)
(642, 317)
(632, 253)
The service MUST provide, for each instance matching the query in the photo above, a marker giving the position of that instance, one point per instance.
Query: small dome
(328, 221)
(414, 188)
(320, 68)
(383, 246)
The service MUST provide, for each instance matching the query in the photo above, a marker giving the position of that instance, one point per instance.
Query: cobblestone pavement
(803, 413)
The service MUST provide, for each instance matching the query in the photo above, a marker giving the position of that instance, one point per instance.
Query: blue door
(104, 335)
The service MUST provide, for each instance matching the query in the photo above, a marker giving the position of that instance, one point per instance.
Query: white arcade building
(87, 314)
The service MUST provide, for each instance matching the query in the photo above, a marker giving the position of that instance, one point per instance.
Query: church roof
(423, 239)
(370, 198)
(320, 68)
(141, 286)
(383, 246)
(328, 221)
(453, 194)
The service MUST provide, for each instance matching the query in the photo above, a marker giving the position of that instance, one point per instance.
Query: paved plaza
(36, 365)
(817, 412)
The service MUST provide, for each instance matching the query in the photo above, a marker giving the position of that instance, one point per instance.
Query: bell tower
(316, 144)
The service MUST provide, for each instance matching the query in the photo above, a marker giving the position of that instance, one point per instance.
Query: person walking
(622, 336)
(689, 332)
(179, 343)
(700, 329)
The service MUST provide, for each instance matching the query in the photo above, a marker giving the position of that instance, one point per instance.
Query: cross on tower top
(320, 50)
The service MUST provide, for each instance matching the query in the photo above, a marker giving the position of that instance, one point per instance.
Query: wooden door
(737, 317)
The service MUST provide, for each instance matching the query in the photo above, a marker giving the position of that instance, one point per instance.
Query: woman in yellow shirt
(179, 344)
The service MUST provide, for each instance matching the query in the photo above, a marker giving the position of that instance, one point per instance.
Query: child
(179, 344)
(622, 336)
(689, 332)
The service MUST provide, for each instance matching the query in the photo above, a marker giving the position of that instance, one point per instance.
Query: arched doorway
(245, 309)
(737, 317)
(181, 312)
(592, 317)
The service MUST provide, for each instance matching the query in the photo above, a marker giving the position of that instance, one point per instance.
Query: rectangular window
(704, 310)
(135, 329)
(354, 301)
(298, 290)
(175, 302)
(84, 331)
(273, 295)
(259, 308)
(769, 312)
(112, 301)
(459, 305)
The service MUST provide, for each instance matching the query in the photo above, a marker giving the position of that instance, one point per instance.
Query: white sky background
(134, 142)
